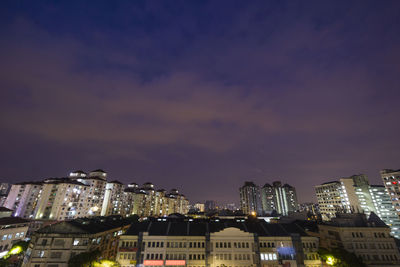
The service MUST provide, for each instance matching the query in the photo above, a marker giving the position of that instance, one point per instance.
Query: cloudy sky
(200, 95)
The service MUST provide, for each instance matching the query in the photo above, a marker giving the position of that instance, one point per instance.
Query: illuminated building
(369, 238)
(12, 230)
(83, 195)
(384, 208)
(282, 199)
(250, 201)
(60, 199)
(216, 242)
(391, 180)
(113, 202)
(199, 207)
(23, 198)
(55, 244)
(349, 194)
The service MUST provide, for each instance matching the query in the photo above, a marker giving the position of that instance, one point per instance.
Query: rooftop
(198, 227)
(85, 225)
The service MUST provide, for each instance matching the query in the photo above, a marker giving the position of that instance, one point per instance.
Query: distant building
(210, 205)
(310, 207)
(391, 180)
(250, 200)
(329, 196)
(23, 198)
(279, 198)
(55, 244)
(215, 242)
(199, 207)
(83, 195)
(354, 194)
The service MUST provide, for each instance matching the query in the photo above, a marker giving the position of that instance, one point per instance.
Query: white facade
(23, 199)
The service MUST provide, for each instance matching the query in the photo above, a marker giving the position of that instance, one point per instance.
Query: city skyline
(200, 95)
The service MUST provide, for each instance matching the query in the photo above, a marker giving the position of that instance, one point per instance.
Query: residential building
(391, 180)
(279, 198)
(384, 209)
(369, 238)
(55, 244)
(216, 242)
(83, 195)
(114, 201)
(355, 191)
(61, 199)
(199, 207)
(4, 190)
(93, 198)
(210, 205)
(329, 196)
(349, 194)
(250, 200)
(145, 201)
(12, 230)
(23, 198)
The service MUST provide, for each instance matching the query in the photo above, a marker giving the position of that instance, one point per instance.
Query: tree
(340, 257)
(84, 259)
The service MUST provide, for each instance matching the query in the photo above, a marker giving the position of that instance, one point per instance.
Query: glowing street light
(330, 260)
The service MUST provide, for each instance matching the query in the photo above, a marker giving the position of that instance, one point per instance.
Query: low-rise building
(369, 238)
(12, 230)
(55, 244)
(216, 242)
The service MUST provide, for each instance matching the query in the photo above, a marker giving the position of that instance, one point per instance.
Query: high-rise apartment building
(384, 208)
(329, 196)
(349, 194)
(114, 201)
(23, 198)
(354, 194)
(391, 180)
(279, 198)
(60, 199)
(85, 195)
(250, 200)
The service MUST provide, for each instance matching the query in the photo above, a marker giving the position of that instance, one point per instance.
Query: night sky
(200, 95)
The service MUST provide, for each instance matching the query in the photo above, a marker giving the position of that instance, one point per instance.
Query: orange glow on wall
(175, 262)
(153, 262)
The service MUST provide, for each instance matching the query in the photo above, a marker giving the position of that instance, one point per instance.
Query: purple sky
(200, 95)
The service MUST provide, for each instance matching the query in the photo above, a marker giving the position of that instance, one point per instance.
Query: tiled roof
(12, 220)
(86, 225)
(202, 227)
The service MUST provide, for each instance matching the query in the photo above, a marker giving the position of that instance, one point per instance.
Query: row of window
(377, 258)
(228, 244)
(371, 245)
(267, 244)
(236, 257)
(127, 256)
(311, 256)
(268, 256)
(10, 236)
(309, 245)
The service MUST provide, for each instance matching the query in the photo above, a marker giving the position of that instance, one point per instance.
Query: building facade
(188, 242)
(391, 180)
(83, 195)
(12, 230)
(279, 198)
(55, 244)
(250, 199)
(368, 239)
(384, 209)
